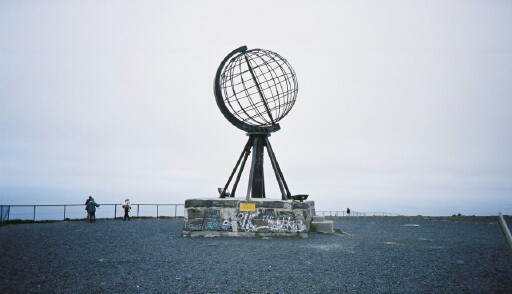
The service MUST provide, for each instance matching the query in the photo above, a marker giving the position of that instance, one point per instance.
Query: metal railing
(77, 211)
(354, 213)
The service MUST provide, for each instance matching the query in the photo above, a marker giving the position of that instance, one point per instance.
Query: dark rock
(195, 213)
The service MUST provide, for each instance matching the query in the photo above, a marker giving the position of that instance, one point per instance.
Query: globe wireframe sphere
(259, 87)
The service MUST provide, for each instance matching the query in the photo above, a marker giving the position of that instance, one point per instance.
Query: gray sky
(403, 106)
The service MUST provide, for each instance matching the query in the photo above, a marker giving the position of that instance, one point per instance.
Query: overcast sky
(403, 106)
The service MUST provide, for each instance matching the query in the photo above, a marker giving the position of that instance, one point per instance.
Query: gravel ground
(375, 255)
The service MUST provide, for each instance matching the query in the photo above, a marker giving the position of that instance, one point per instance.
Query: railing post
(1, 215)
(138, 210)
(34, 216)
(157, 211)
(115, 211)
(64, 211)
(175, 210)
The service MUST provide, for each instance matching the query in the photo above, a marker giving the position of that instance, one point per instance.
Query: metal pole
(64, 212)
(270, 150)
(253, 167)
(157, 211)
(506, 231)
(274, 167)
(34, 219)
(247, 153)
(175, 210)
(247, 146)
(115, 211)
(138, 210)
(258, 179)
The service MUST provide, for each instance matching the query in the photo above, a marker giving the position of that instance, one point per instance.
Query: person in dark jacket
(87, 202)
(91, 209)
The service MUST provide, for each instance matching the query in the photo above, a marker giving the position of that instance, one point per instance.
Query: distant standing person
(91, 209)
(127, 207)
(87, 202)
(348, 211)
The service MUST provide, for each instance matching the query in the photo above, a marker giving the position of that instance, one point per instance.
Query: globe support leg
(256, 184)
(285, 192)
(247, 153)
(244, 155)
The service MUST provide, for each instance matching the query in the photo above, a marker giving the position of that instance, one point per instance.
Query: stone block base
(323, 227)
(236, 217)
(320, 225)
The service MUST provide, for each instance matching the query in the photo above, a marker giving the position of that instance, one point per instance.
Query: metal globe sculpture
(255, 89)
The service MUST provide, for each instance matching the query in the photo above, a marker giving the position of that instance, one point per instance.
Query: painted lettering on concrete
(284, 224)
(246, 222)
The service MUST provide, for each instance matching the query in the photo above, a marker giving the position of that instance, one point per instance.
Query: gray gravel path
(377, 255)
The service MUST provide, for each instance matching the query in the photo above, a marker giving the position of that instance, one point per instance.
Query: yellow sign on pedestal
(247, 206)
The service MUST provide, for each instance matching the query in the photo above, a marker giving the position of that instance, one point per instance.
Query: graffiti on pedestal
(284, 224)
(261, 220)
(246, 222)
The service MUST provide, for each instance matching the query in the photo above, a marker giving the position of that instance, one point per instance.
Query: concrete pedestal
(240, 218)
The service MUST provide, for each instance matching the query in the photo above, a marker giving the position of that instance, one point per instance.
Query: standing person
(87, 202)
(348, 211)
(127, 207)
(91, 209)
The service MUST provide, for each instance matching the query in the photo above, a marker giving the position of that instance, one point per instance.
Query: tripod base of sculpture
(256, 187)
